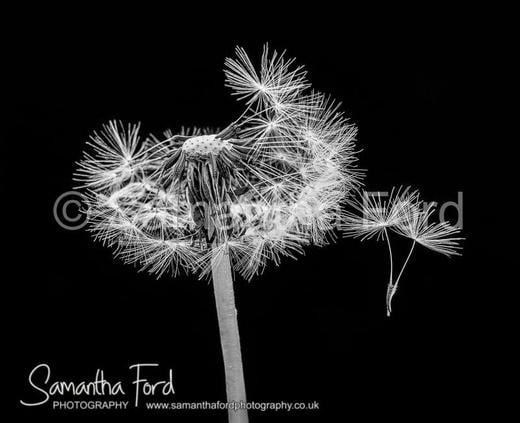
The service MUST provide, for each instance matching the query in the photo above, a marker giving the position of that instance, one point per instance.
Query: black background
(311, 329)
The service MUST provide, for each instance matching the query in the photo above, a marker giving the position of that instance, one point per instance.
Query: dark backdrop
(311, 329)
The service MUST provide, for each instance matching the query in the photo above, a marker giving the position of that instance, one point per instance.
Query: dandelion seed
(276, 79)
(373, 214)
(116, 150)
(404, 214)
(438, 236)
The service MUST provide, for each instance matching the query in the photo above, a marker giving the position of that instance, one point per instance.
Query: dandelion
(215, 203)
(404, 214)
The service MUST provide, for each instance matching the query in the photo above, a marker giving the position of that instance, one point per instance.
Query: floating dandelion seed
(214, 203)
(439, 236)
(373, 213)
(403, 212)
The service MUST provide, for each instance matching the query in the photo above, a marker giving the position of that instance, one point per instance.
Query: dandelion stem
(393, 288)
(390, 280)
(229, 336)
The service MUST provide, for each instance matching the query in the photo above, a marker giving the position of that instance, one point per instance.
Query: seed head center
(202, 146)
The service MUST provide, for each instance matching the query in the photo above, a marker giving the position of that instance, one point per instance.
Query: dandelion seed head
(264, 187)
